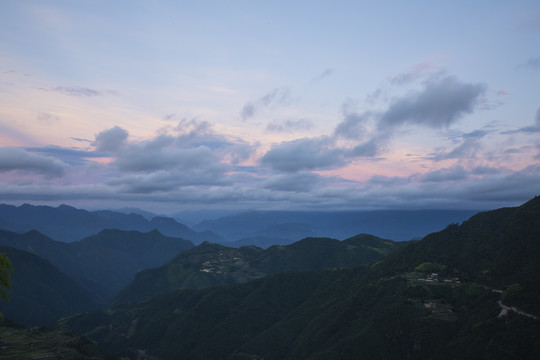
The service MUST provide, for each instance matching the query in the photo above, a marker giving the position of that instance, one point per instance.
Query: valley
(317, 298)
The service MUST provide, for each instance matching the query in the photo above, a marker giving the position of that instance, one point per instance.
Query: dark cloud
(528, 129)
(278, 96)
(469, 146)
(191, 153)
(367, 149)
(353, 125)
(111, 139)
(239, 152)
(82, 140)
(417, 72)
(304, 154)
(77, 91)
(445, 175)
(326, 73)
(467, 149)
(302, 182)
(248, 110)
(16, 159)
(476, 134)
(485, 170)
(533, 63)
(388, 181)
(47, 118)
(194, 133)
(288, 126)
(166, 181)
(442, 101)
(160, 154)
(66, 155)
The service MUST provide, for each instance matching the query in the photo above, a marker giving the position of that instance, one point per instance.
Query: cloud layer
(367, 159)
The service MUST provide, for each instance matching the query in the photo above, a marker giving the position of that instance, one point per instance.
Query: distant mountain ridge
(211, 264)
(290, 226)
(67, 224)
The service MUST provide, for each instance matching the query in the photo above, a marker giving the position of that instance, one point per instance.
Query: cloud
(533, 63)
(169, 180)
(82, 140)
(288, 126)
(194, 133)
(16, 159)
(66, 155)
(485, 170)
(445, 175)
(47, 118)
(353, 126)
(301, 182)
(416, 72)
(77, 91)
(326, 73)
(467, 149)
(304, 154)
(528, 129)
(160, 154)
(111, 139)
(369, 148)
(278, 96)
(442, 102)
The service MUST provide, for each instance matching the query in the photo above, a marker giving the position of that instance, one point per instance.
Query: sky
(236, 105)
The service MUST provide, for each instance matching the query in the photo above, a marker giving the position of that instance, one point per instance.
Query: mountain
(211, 264)
(204, 266)
(103, 263)
(67, 224)
(397, 225)
(469, 291)
(496, 248)
(40, 293)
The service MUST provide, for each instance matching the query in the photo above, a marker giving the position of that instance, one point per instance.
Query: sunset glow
(174, 105)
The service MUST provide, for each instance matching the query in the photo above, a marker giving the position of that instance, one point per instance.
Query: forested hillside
(104, 263)
(212, 264)
(40, 293)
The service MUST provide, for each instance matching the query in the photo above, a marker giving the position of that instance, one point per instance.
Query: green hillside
(212, 265)
(445, 297)
(40, 293)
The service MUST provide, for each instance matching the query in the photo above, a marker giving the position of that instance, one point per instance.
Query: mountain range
(261, 228)
(68, 224)
(212, 264)
(469, 291)
(285, 227)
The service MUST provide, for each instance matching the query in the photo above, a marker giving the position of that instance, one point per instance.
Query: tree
(5, 271)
